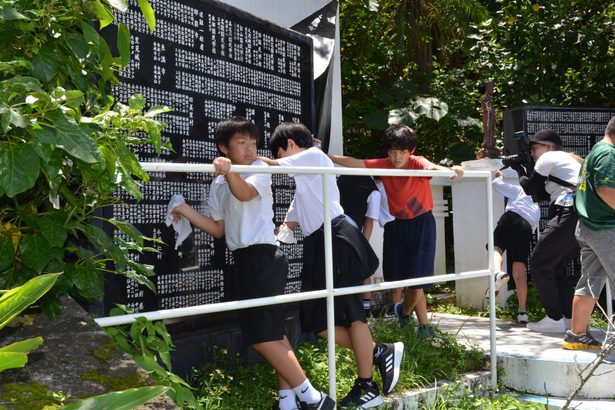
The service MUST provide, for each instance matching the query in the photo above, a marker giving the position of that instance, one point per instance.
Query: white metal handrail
(329, 292)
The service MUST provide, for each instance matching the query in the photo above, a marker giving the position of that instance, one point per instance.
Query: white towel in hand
(286, 235)
(182, 227)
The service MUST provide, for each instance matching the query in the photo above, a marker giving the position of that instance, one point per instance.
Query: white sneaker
(500, 279)
(522, 318)
(547, 325)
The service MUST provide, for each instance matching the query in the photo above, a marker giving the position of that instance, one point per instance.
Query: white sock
(307, 393)
(287, 400)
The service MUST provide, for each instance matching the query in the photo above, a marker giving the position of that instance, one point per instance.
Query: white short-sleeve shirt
(308, 201)
(561, 165)
(245, 222)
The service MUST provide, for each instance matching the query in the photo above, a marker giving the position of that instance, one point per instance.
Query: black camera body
(523, 156)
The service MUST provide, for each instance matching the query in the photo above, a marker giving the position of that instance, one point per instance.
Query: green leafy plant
(121, 400)
(66, 146)
(12, 303)
(150, 345)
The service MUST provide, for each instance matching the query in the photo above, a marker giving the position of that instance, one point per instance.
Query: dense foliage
(66, 146)
(395, 53)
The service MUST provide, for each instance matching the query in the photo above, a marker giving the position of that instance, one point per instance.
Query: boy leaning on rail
(241, 210)
(410, 202)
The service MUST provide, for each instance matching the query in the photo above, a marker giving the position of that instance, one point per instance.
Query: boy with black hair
(410, 202)
(353, 261)
(241, 210)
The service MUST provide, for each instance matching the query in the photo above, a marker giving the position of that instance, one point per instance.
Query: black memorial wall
(207, 61)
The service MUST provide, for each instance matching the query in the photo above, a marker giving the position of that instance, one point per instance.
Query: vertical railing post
(326, 194)
(490, 250)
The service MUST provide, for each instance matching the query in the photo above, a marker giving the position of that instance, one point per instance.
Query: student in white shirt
(353, 260)
(513, 233)
(241, 210)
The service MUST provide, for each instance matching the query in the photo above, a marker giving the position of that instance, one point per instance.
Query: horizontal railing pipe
(330, 292)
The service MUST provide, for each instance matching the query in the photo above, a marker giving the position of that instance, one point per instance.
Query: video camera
(523, 156)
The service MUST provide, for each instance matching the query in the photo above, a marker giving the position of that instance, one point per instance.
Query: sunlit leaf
(23, 346)
(8, 13)
(119, 400)
(17, 299)
(148, 13)
(12, 360)
(120, 5)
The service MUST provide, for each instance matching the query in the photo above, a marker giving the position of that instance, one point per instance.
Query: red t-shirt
(408, 197)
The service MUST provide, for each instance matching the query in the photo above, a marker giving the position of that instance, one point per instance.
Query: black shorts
(260, 270)
(348, 308)
(414, 248)
(513, 235)
(388, 269)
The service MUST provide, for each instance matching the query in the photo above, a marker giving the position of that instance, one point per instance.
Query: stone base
(77, 358)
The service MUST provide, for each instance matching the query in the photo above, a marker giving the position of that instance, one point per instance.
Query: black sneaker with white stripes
(388, 362)
(363, 395)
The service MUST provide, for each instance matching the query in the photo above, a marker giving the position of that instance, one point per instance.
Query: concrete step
(534, 362)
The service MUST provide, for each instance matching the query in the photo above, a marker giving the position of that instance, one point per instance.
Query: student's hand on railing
(458, 172)
(222, 165)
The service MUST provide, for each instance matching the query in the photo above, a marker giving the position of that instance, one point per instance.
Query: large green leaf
(123, 43)
(102, 13)
(35, 252)
(11, 360)
(46, 64)
(73, 139)
(23, 346)
(19, 167)
(431, 107)
(53, 230)
(17, 299)
(129, 229)
(119, 400)
(148, 13)
(11, 117)
(9, 14)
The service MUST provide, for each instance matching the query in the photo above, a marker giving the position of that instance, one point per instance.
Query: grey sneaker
(522, 318)
(583, 341)
(547, 325)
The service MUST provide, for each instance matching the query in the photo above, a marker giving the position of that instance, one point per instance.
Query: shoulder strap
(561, 182)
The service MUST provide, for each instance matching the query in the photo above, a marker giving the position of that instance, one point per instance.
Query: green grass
(462, 398)
(225, 383)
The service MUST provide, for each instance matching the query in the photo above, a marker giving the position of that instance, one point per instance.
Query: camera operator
(554, 178)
